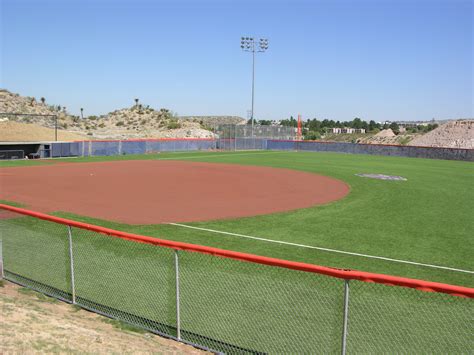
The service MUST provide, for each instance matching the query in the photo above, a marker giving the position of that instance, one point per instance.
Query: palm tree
(82, 111)
(136, 102)
(43, 100)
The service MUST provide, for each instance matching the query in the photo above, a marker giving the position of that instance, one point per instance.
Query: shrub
(312, 135)
(173, 125)
(404, 140)
(118, 124)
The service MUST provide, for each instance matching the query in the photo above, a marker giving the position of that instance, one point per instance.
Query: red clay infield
(154, 191)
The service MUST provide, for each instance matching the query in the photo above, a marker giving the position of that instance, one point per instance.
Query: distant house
(346, 130)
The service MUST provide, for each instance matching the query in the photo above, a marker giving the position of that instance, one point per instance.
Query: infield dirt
(151, 192)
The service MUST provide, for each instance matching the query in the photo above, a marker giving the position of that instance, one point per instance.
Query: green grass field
(427, 219)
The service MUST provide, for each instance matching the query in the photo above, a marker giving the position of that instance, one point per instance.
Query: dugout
(21, 150)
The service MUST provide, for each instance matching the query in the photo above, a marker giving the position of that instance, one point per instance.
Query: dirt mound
(385, 133)
(387, 136)
(11, 131)
(457, 134)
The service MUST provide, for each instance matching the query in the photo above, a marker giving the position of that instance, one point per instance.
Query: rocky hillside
(456, 134)
(212, 121)
(142, 122)
(14, 103)
(138, 121)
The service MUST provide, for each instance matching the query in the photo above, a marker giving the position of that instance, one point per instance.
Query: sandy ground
(455, 134)
(22, 132)
(33, 323)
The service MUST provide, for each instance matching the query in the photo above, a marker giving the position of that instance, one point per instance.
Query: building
(346, 130)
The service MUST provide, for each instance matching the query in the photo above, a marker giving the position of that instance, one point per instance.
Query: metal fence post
(346, 315)
(2, 275)
(71, 258)
(178, 315)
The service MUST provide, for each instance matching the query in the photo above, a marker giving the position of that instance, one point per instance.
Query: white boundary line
(324, 249)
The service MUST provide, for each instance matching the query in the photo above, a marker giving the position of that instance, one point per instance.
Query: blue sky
(335, 59)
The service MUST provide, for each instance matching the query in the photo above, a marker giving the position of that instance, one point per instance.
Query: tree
(289, 123)
(314, 125)
(356, 123)
(43, 100)
(82, 113)
(136, 102)
(395, 127)
(373, 125)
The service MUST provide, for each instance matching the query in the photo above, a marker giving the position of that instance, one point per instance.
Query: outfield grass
(427, 219)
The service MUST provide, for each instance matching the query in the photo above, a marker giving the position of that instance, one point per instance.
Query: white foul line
(324, 249)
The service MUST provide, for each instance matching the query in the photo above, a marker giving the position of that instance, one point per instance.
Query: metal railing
(232, 302)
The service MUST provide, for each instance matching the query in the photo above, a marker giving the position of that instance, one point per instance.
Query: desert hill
(11, 131)
(137, 121)
(212, 121)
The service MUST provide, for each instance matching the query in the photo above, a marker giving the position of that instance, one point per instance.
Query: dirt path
(154, 191)
(33, 323)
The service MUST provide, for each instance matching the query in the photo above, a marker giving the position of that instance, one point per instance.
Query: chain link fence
(12, 154)
(248, 137)
(231, 302)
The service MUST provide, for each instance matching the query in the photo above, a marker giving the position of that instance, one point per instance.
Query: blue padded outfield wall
(108, 148)
(374, 149)
(70, 149)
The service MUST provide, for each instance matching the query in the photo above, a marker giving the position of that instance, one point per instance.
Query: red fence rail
(422, 285)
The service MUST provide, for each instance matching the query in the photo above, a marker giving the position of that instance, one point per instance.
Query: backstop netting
(246, 137)
(232, 302)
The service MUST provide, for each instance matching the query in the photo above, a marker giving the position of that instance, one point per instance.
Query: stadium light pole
(248, 44)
